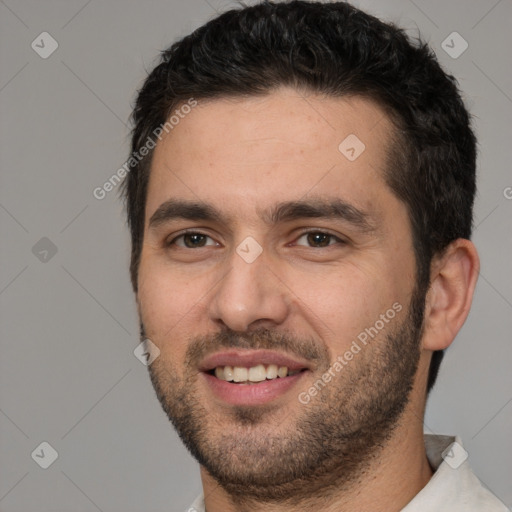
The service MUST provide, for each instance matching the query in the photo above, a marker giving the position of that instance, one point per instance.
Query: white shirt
(452, 488)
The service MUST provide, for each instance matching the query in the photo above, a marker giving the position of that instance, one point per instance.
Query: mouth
(254, 374)
(251, 377)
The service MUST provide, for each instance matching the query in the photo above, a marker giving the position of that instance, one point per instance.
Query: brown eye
(191, 240)
(318, 239)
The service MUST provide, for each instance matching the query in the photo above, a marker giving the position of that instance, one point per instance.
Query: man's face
(263, 281)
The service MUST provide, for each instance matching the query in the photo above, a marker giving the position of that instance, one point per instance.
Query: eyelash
(302, 234)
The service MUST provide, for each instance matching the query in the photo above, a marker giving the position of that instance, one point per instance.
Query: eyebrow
(332, 208)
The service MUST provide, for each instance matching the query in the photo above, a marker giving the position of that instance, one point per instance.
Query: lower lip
(251, 394)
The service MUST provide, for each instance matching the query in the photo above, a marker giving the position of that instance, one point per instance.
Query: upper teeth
(254, 374)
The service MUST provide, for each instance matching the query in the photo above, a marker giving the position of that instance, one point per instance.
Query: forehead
(243, 153)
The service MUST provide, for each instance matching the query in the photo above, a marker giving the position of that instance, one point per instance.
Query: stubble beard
(315, 449)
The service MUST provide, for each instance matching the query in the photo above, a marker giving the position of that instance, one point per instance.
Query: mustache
(261, 339)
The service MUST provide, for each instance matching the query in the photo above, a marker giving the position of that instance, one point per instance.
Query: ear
(453, 277)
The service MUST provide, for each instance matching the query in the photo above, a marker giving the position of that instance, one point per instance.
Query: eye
(191, 240)
(319, 239)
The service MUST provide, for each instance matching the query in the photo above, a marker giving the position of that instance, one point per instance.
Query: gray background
(68, 375)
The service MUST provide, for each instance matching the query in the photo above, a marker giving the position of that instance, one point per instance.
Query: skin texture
(359, 442)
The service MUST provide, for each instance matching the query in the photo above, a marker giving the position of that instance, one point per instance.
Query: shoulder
(453, 487)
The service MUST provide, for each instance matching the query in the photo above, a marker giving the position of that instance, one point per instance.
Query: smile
(247, 377)
(254, 374)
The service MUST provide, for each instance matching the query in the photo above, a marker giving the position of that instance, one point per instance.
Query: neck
(393, 478)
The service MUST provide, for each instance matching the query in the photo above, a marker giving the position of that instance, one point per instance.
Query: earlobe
(453, 279)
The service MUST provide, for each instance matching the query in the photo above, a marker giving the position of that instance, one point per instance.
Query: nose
(250, 295)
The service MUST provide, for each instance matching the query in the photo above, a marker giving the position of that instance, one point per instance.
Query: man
(300, 222)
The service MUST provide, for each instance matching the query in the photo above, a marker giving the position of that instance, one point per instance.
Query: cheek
(167, 304)
(341, 304)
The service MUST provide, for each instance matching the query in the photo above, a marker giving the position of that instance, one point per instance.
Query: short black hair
(337, 50)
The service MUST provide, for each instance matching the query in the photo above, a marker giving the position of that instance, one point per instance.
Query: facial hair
(326, 444)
